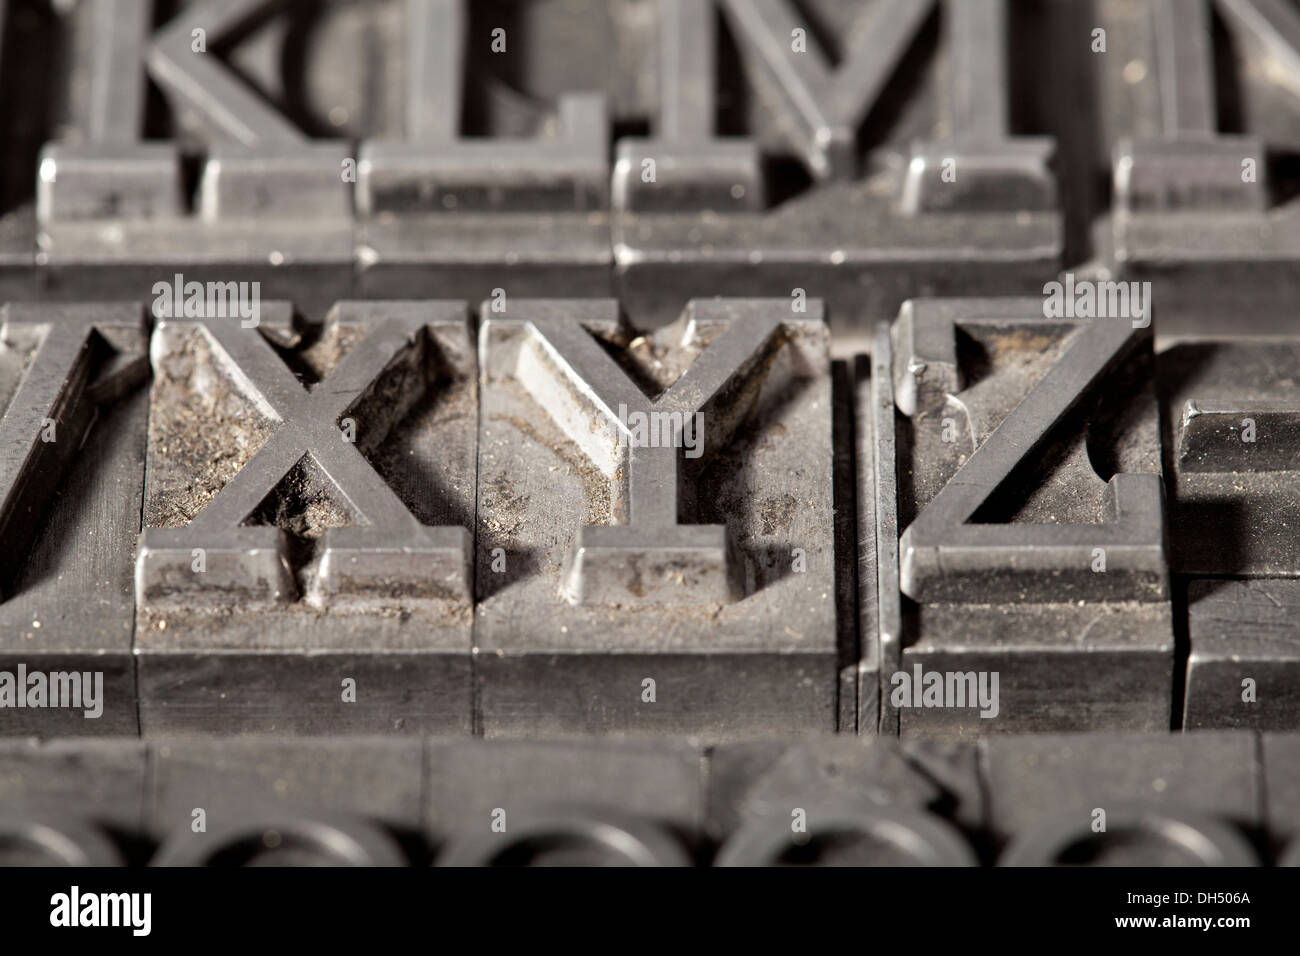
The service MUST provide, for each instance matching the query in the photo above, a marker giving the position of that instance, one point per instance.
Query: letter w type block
(72, 390)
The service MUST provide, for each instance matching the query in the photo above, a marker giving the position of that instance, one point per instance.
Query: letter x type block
(71, 453)
(1030, 496)
(301, 534)
(654, 526)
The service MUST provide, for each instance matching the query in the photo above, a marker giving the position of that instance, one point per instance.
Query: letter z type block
(1030, 499)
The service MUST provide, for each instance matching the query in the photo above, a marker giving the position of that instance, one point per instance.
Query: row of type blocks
(1225, 798)
(534, 519)
(868, 153)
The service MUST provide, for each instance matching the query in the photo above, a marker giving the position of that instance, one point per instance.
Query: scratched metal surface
(324, 321)
(1226, 798)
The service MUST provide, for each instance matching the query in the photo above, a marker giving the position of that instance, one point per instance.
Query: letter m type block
(648, 493)
(308, 496)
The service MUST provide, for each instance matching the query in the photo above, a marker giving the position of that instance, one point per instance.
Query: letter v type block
(654, 536)
(299, 534)
(1030, 489)
(71, 474)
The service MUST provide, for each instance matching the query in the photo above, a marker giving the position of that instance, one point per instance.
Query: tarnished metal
(1244, 666)
(1232, 456)
(651, 367)
(568, 836)
(71, 445)
(326, 545)
(57, 839)
(590, 579)
(1195, 210)
(479, 787)
(759, 786)
(1082, 799)
(872, 227)
(850, 835)
(1133, 836)
(1280, 754)
(1232, 464)
(1017, 554)
(103, 781)
(289, 839)
(1033, 778)
(218, 782)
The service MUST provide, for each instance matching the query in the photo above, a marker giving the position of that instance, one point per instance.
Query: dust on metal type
(309, 534)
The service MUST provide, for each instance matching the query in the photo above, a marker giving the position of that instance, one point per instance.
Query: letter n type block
(71, 474)
(648, 491)
(307, 507)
